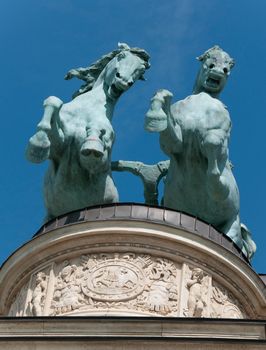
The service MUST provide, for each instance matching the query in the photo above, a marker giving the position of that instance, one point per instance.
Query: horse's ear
(199, 58)
(203, 57)
(121, 55)
(232, 63)
(123, 46)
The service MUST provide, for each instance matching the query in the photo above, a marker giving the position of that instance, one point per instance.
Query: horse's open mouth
(213, 82)
(116, 91)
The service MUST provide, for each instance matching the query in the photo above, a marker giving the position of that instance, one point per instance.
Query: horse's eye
(225, 70)
(211, 66)
(118, 75)
(121, 55)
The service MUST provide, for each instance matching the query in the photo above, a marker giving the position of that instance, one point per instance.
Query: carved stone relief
(207, 298)
(39, 294)
(124, 283)
(224, 304)
(198, 286)
(162, 287)
(67, 290)
(117, 281)
(33, 298)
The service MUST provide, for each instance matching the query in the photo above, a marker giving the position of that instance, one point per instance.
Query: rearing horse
(194, 133)
(77, 137)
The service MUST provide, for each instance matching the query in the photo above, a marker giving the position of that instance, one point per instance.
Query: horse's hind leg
(39, 145)
(232, 229)
(218, 186)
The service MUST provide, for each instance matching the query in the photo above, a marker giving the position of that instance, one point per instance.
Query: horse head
(214, 71)
(118, 70)
(128, 66)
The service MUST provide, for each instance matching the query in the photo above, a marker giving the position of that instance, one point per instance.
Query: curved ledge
(142, 212)
(135, 240)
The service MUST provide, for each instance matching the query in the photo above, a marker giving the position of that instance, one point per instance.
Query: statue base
(136, 276)
(130, 260)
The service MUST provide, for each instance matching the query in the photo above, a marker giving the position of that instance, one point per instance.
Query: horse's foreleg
(213, 147)
(38, 148)
(159, 119)
(156, 117)
(51, 105)
(39, 144)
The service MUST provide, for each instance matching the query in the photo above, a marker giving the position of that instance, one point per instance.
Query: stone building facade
(130, 276)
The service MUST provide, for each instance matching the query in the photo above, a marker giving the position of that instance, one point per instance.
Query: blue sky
(40, 40)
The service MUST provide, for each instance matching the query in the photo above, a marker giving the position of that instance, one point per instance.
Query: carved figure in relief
(194, 133)
(67, 294)
(39, 293)
(77, 137)
(197, 293)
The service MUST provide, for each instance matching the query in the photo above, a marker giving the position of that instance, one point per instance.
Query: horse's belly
(64, 193)
(192, 197)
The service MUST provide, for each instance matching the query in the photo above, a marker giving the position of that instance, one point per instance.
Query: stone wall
(125, 266)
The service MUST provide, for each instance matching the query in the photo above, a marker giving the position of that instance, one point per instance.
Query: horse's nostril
(96, 154)
(86, 152)
(91, 153)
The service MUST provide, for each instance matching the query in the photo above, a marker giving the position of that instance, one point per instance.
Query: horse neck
(198, 88)
(99, 91)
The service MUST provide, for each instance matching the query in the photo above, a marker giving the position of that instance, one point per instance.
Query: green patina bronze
(194, 133)
(150, 175)
(77, 137)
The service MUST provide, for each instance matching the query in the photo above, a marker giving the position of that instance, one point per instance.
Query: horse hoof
(38, 148)
(37, 155)
(156, 120)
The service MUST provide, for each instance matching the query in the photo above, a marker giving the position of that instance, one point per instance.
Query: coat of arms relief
(124, 283)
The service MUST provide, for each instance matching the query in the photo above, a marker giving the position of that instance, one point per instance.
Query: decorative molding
(125, 282)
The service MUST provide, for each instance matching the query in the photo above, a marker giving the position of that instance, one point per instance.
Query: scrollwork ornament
(224, 304)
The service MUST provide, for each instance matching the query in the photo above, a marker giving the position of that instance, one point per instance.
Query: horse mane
(91, 73)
